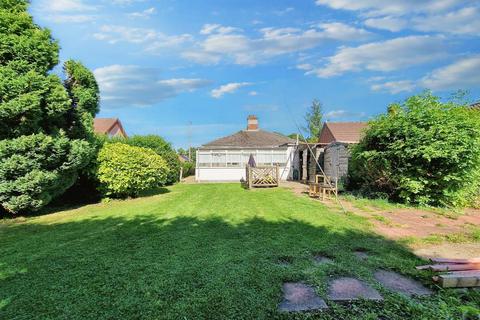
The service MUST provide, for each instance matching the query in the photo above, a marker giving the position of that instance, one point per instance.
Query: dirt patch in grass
(435, 232)
(404, 223)
(450, 250)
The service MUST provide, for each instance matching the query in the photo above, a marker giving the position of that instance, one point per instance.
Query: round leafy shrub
(421, 152)
(163, 149)
(125, 171)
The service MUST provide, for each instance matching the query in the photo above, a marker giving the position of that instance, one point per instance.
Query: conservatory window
(204, 159)
(234, 160)
(279, 158)
(219, 159)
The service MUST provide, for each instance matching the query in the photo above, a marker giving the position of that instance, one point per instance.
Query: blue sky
(193, 70)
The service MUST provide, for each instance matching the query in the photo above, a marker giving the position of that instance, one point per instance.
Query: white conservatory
(225, 159)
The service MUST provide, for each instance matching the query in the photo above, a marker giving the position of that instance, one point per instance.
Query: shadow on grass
(147, 267)
(74, 199)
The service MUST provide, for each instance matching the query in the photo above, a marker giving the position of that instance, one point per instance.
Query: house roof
(250, 139)
(346, 132)
(184, 158)
(105, 125)
(475, 105)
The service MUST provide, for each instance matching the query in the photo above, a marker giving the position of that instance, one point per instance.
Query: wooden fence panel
(267, 176)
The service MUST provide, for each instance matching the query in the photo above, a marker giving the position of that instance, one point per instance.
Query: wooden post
(278, 174)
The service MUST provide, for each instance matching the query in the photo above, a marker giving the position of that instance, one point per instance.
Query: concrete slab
(319, 259)
(400, 284)
(348, 289)
(361, 255)
(298, 296)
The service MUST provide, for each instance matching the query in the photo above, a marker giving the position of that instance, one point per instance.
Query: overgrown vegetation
(422, 152)
(163, 149)
(45, 125)
(126, 171)
(203, 252)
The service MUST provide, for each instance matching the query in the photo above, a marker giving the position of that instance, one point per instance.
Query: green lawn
(199, 252)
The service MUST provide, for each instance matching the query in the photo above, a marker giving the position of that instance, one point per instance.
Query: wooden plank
(466, 272)
(459, 280)
(445, 260)
(425, 267)
(455, 267)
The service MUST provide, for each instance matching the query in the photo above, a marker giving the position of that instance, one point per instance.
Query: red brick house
(111, 127)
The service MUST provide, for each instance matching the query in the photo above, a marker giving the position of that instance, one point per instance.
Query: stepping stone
(400, 284)
(348, 289)
(319, 259)
(362, 255)
(300, 297)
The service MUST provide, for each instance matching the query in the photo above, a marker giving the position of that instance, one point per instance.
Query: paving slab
(362, 255)
(319, 259)
(348, 289)
(298, 296)
(401, 284)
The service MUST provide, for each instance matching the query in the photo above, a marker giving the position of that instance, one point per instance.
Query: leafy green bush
(125, 171)
(421, 152)
(46, 126)
(188, 169)
(162, 148)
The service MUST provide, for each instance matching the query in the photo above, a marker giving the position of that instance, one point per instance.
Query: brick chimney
(252, 123)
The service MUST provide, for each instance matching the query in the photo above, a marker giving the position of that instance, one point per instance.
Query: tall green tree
(313, 118)
(45, 124)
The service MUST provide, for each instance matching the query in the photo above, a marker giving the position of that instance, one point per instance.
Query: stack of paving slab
(459, 273)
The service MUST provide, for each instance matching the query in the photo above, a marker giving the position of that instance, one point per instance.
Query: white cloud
(341, 31)
(305, 67)
(66, 11)
(383, 56)
(201, 57)
(70, 18)
(446, 16)
(128, 85)
(116, 33)
(343, 114)
(152, 39)
(231, 43)
(217, 28)
(463, 21)
(387, 23)
(253, 93)
(228, 88)
(391, 7)
(394, 87)
(147, 13)
(124, 2)
(67, 6)
(461, 74)
(283, 11)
